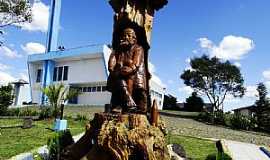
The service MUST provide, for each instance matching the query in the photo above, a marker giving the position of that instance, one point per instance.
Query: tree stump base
(120, 137)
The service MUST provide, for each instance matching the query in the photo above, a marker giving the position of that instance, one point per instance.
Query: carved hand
(126, 70)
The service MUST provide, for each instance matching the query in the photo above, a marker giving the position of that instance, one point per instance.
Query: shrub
(28, 112)
(205, 116)
(219, 117)
(242, 122)
(13, 112)
(6, 98)
(80, 117)
(45, 113)
(215, 118)
(58, 142)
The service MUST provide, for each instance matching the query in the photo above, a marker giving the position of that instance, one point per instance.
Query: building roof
(91, 50)
(252, 107)
(20, 81)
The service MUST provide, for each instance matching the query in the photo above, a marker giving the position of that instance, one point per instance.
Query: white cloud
(267, 83)
(251, 91)
(231, 99)
(24, 76)
(266, 74)
(5, 78)
(237, 64)
(186, 89)
(40, 18)
(187, 60)
(4, 50)
(230, 48)
(32, 48)
(4, 67)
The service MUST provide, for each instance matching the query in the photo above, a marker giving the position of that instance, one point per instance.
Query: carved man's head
(128, 38)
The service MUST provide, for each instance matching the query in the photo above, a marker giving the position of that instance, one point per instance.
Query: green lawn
(16, 140)
(195, 148)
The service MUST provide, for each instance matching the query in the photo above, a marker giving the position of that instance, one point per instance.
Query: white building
(84, 68)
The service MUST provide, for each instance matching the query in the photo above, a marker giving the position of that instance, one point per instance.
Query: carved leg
(141, 100)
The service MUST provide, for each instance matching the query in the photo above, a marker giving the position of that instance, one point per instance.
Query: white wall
(94, 98)
(160, 90)
(85, 70)
(35, 87)
(24, 94)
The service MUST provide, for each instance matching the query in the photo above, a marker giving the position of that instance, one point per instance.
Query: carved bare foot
(117, 109)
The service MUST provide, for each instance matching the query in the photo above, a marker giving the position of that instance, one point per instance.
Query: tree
(6, 98)
(58, 94)
(215, 79)
(262, 107)
(194, 103)
(14, 12)
(170, 102)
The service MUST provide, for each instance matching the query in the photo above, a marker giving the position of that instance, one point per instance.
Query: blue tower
(52, 44)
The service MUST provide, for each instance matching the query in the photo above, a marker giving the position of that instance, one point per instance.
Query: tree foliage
(14, 12)
(262, 107)
(194, 103)
(215, 79)
(170, 102)
(57, 94)
(6, 98)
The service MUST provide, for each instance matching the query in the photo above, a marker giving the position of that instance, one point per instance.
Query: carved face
(128, 38)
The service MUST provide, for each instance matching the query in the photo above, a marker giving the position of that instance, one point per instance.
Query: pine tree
(262, 109)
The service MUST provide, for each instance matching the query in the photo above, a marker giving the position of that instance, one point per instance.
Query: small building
(21, 92)
(83, 68)
(245, 111)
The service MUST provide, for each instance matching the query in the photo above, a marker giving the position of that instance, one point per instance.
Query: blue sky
(235, 30)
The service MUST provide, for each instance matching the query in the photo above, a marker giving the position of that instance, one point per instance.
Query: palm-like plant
(57, 94)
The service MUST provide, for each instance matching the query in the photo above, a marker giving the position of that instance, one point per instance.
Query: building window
(89, 89)
(65, 77)
(84, 89)
(54, 73)
(94, 89)
(98, 88)
(60, 73)
(39, 75)
(103, 88)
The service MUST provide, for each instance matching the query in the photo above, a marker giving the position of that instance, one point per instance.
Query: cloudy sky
(235, 30)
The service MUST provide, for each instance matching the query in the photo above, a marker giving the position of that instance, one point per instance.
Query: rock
(176, 152)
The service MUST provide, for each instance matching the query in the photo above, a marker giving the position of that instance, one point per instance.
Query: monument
(132, 130)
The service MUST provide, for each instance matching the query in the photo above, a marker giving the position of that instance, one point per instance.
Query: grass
(85, 110)
(195, 148)
(18, 140)
(181, 126)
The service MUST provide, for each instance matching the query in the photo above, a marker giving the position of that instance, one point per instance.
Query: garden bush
(80, 117)
(235, 121)
(45, 113)
(242, 122)
(6, 98)
(13, 112)
(58, 142)
(205, 117)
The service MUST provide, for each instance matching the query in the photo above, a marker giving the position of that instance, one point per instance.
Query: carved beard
(126, 44)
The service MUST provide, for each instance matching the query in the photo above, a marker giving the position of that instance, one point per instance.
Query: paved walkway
(244, 151)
